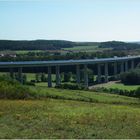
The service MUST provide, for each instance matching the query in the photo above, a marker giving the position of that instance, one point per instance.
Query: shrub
(137, 92)
(131, 93)
(30, 83)
(113, 78)
(131, 77)
(11, 89)
(70, 86)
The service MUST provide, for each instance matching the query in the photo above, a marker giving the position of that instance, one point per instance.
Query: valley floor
(109, 116)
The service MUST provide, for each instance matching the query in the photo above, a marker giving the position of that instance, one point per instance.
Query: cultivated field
(86, 49)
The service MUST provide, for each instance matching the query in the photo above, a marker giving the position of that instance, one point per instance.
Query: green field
(26, 51)
(20, 51)
(86, 49)
(70, 114)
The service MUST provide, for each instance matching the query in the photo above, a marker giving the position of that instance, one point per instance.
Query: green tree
(24, 79)
(67, 76)
(43, 77)
(37, 77)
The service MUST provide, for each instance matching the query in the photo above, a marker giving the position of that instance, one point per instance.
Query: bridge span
(123, 61)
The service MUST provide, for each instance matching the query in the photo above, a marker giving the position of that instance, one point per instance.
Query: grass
(52, 118)
(86, 96)
(86, 48)
(20, 51)
(25, 52)
(77, 114)
(120, 86)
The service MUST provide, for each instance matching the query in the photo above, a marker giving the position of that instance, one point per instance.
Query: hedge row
(131, 93)
(11, 89)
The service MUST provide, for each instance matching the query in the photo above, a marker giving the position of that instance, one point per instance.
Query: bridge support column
(106, 72)
(115, 68)
(122, 67)
(58, 80)
(132, 64)
(12, 73)
(99, 73)
(20, 78)
(49, 77)
(78, 74)
(85, 76)
(126, 65)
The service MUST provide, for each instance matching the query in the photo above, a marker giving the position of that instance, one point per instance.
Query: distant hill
(87, 43)
(118, 45)
(138, 42)
(35, 44)
(60, 44)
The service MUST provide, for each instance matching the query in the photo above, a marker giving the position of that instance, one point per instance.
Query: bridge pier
(49, 77)
(85, 76)
(58, 79)
(20, 78)
(132, 64)
(78, 74)
(122, 67)
(99, 73)
(126, 66)
(12, 73)
(106, 72)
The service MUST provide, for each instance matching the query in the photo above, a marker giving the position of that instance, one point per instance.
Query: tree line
(59, 44)
(34, 44)
(118, 45)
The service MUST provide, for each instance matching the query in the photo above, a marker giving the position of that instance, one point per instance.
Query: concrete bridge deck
(65, 62)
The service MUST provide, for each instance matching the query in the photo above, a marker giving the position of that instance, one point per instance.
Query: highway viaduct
(123, 61)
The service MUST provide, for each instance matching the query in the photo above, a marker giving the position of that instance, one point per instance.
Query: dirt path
(103, 84)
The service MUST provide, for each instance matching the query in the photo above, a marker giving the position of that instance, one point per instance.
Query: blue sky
(76, 20)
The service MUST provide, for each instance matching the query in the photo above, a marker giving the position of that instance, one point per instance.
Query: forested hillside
(34, 44)
(117, 45)
(60, 44)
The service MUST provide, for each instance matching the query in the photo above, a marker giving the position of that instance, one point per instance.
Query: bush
(33, 81)
(30, 83)
(132, 93)
(137, 92)
(70, 86)
(11, 89)
(131, 77)
(113, 78)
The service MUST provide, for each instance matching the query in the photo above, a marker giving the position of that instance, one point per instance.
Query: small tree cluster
(131, 77)
(40, 77)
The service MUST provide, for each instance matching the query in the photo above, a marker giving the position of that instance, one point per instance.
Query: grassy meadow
(59, 113)
(86, 49)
